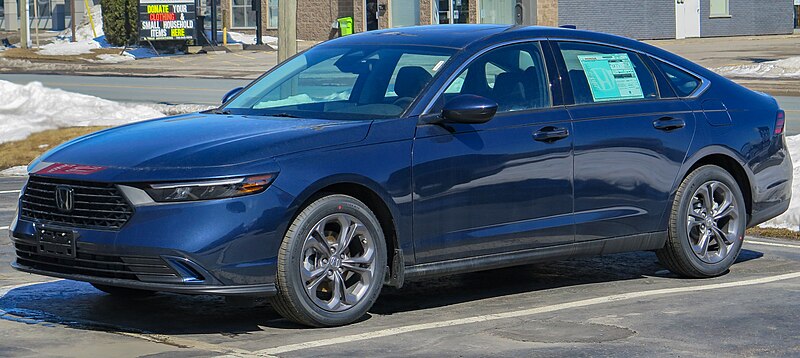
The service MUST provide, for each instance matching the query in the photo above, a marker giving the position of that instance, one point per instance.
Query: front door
(629, 143)
(687, 18)
(371, 14)
(499, 186)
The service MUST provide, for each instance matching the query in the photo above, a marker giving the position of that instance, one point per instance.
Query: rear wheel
(331, 263)
(707, 224)
(122, 291)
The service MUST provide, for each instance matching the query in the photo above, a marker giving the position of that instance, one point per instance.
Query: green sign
(611, 77)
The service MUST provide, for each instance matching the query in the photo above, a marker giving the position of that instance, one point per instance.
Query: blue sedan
(421, 151)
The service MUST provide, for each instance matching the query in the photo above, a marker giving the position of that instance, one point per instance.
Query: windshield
(353, 82)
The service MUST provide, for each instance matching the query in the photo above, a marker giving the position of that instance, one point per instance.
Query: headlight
(207, 190)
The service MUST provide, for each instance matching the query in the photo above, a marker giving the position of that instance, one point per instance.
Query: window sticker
(611, 77)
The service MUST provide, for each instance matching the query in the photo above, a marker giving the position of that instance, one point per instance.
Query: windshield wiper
(220, 111)
(284, 115)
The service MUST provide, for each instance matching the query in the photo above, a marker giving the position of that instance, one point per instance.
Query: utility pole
(287, 29)
(25, 26)
(72, 19)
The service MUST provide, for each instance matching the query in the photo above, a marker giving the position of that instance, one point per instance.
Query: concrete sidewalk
(709, 52)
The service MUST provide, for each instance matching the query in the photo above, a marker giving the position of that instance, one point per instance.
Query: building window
(272, 21)
(243, 15)
(245, 18)
(404, 14)
(719, 8)
(497, 11)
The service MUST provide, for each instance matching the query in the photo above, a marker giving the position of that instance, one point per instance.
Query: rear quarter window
(682, 82)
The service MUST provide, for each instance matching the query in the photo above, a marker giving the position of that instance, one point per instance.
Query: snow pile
(785, 68)
(19, 171)
(31, 108)
(247, 39)
(113, 58)
(86, 41)
(791, 218)
(85, 38)
(83, 31)
(60, 48)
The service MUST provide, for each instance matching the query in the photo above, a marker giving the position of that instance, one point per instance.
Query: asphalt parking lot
(618, 305)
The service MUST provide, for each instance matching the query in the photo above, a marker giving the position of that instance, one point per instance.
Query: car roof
(452, 36)
(461, 36)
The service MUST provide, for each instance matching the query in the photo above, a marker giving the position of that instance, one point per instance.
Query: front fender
(381, 168)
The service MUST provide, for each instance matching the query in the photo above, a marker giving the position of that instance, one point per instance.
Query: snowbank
(83, 31)
(791, 218)
(60, 48)
(238, 37)
(84, 37)
(785, 68)
(86, 41)
(19, 171)
(31, 108)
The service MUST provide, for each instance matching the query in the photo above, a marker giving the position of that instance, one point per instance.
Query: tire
(337, 286)
(704, 242)
(123, 291)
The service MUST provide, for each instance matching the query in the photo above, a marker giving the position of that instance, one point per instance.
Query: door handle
(550, 134)
(669, 123)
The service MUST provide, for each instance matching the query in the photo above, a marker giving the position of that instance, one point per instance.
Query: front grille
(97, 205)
(139, 268)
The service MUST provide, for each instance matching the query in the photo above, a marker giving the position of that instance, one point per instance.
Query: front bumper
(244, 290)
(221, 247)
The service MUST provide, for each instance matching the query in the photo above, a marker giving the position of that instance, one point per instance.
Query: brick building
(315, 18)
(642, 19)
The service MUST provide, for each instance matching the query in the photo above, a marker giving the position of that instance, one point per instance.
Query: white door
(687, 18)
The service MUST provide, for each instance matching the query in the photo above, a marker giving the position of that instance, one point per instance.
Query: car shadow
(79, 305)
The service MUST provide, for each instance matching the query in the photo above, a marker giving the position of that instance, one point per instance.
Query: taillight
(780, 122)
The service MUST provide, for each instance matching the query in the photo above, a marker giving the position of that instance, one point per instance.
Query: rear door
(493, 187)
(629, 141)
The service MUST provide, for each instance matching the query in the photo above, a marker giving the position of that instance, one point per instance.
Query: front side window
(606, 74)
(514, 76)
(682, 82)
(343, 82)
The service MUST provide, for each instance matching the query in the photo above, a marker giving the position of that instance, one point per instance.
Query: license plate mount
(56, 242)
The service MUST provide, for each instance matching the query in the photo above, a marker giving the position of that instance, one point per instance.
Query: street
(210, 91)
(625, 305)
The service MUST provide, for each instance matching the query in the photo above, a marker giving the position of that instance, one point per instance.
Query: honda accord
(421, 151)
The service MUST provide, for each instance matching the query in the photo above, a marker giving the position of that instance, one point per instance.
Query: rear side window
(606, 74)
(682, 82)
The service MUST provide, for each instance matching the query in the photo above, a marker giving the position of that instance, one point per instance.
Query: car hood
(204, 141)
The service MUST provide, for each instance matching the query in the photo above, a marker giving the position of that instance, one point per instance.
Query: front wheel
(331, 263)
(706, 226)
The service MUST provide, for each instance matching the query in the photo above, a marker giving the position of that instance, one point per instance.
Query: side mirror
(469, 109)
(230, 94)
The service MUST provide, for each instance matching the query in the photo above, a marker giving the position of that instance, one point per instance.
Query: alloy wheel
(713, 222)
(338, 262)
